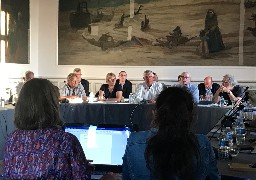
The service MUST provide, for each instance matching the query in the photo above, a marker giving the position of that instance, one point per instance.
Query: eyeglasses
(184, 77)
(225, 81)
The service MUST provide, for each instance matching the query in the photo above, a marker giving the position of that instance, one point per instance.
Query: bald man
(208, 85)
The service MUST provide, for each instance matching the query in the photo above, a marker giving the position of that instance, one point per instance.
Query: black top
(237, 90)
(85, 84)
(127, 88)
(112, 94)
(202, 91)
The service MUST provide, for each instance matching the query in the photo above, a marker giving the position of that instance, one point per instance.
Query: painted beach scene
(157, 33)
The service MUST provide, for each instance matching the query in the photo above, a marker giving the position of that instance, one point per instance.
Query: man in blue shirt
(186, 82)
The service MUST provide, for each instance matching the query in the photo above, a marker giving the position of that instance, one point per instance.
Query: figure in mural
(121, 22)
(138, 10)
(203, 46)
(176, 32)
(145, 24)
(215, 43)
(80, 18)
(253, 29)
(249, 4)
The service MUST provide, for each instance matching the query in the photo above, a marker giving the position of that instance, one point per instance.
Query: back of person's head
(171, 151)
(37, 106)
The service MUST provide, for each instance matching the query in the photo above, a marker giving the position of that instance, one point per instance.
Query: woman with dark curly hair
(170, 150)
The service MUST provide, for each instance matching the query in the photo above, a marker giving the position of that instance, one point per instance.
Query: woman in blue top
(170, 150)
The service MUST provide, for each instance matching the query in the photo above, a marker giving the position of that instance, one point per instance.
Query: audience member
(72, 89)
(84, 82)
(28, 76)
(110, 91)
(169, 150)
(126, 84)
(156, 79)
(185, 81)
(229, 90)
(149, 89)
(39, 148)
(207, 86)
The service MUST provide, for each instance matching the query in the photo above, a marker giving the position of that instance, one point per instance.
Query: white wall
(44, 55)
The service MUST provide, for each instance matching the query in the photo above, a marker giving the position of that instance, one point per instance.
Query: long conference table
(138, 115)
(205, 118)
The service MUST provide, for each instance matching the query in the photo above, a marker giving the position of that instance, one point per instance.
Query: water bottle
(248, 112)
(222, 101)
(240, 131)
(2, 102)
(91, 97)
(223, 151)
(130, 98)
(229, 136)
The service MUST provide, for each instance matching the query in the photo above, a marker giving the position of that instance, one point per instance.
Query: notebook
(103, 144)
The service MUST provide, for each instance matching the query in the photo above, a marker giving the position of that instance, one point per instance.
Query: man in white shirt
(149, 89)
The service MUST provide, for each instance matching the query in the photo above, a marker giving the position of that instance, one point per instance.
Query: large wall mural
(155, 33)
(14, 31)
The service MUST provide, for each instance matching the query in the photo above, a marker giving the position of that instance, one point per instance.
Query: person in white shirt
(149, 89)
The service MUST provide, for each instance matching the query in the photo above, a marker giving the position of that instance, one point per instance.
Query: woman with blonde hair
(110, 91)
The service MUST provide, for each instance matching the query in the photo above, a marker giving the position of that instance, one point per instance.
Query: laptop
(103, 144)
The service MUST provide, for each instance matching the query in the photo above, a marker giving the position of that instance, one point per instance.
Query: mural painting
(249, 45)
(152, 33)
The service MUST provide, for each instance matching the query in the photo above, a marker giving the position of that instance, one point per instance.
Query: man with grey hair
(84, 82)
(72, 89)
(28, 76)
(229, 90)
(185, 81)
(149, 89)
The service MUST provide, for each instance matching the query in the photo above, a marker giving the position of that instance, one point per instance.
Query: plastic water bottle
(223, 151)
(222, 101)
(240, 131)
(248, 112)
(130, 98)
(2, 102)
(229, 136)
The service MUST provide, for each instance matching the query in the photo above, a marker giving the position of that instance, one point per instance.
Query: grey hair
(148, 72)
(71, 76)
(77, 70)
(231, 79)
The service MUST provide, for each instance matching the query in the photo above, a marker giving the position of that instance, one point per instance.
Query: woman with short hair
(110, 91)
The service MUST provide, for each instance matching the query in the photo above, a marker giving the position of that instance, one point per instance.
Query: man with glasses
(84, 82)
(229, 90)
(185, 81)
(126, 84)
(149, 89)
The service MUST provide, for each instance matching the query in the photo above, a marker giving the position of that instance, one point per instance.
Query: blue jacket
(134, 164)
